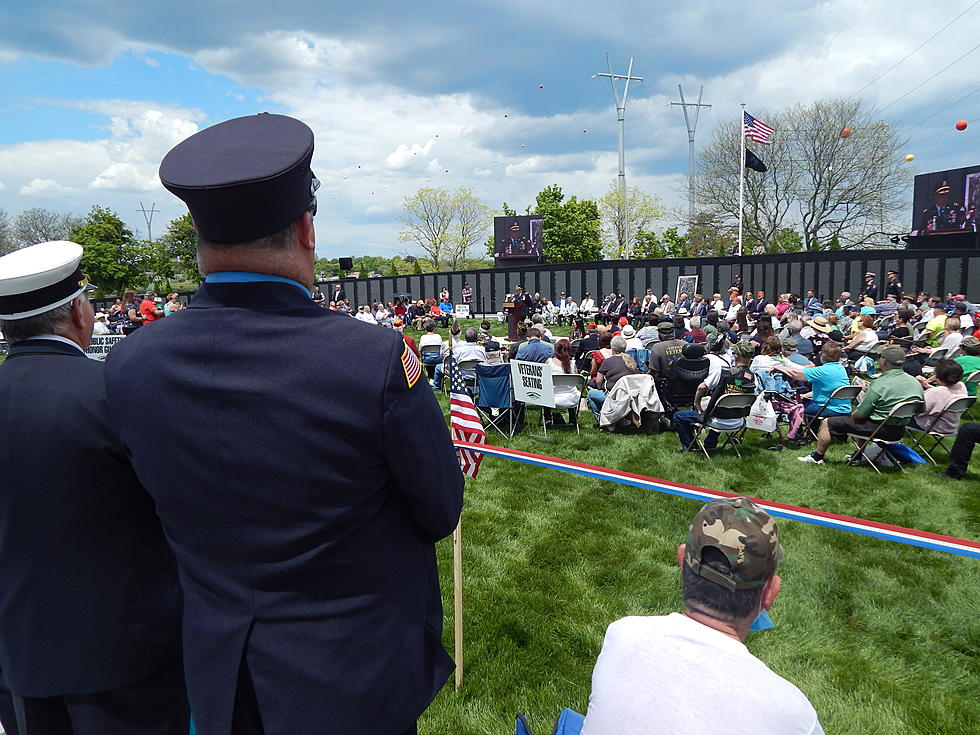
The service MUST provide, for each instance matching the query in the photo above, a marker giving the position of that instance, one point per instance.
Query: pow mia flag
(753, 162)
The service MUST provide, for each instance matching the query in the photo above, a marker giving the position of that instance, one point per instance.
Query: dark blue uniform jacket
(302, 484)
(88, 587)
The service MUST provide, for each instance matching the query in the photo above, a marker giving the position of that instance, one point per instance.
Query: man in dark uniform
(514, 243)
(941, 216)
(303, 497)
(870, 286)
(89, 599)
(893, 287)
(524, 302)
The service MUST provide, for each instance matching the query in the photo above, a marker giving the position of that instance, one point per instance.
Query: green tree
(669, 245)
(112, 256)
(623, 218)
(787, 240)
(444, 224)
(179, 244)
(570, 230)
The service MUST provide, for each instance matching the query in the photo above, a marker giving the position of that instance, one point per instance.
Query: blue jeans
(596, 398)
(438, 378)
(682, 424)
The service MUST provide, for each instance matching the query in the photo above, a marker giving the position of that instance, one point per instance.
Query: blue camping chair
(569, 723)
(641, 357)
(495, 399)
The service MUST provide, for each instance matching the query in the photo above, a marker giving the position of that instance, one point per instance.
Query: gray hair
(794, 327)
(48, 322)
(696, 322)
(471, 334)
(618, 344)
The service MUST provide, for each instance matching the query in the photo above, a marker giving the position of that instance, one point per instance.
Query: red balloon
(540, 86)
(844, 132)
(961, 125)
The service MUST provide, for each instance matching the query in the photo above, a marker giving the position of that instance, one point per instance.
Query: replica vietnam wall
(827, 272)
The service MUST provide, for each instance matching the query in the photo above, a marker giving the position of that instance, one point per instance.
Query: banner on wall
(100, 345)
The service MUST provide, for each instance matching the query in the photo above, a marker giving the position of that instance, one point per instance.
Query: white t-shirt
(671, 674)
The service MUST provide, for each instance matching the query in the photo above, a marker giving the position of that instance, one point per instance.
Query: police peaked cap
(40, 278)
(244, 178)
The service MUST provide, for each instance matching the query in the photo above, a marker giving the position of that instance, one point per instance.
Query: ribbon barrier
(909, 536)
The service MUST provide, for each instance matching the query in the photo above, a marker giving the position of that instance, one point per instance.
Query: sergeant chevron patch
(411, 366)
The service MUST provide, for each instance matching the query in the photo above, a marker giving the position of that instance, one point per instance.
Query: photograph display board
(686, 284)
(946, 202)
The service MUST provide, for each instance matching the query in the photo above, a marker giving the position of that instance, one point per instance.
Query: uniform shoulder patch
(411, 366)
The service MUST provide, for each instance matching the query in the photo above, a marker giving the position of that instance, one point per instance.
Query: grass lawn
(881, 637)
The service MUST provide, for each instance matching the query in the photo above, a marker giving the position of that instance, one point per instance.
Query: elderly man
(89, 600)
(291, 488)
(653, 672)
(892, 387)
(462, 352)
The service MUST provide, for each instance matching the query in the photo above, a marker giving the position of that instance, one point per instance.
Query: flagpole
(741, 176)
(457, 580)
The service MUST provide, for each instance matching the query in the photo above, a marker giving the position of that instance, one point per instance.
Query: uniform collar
(47, 344)
(250, 277)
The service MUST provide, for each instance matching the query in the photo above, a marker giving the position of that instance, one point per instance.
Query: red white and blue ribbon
(909, 536)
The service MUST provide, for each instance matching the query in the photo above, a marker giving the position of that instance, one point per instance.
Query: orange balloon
(961, 125)
(844, 132)
(910, 157)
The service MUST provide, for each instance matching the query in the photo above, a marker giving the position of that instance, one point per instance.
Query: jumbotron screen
(517, 237)
(946, 202)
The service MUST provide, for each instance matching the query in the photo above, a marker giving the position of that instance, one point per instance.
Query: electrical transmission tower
(148, 216)
(621, 117)
(692, 127)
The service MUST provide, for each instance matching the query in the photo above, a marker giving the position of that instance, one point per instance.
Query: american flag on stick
(755, 129)
(464, 421)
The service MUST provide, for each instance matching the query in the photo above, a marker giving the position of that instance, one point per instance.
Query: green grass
(881, 637)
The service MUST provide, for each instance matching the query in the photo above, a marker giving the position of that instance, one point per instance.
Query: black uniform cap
(244, 178)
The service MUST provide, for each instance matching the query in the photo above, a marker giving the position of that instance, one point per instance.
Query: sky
(497, 96)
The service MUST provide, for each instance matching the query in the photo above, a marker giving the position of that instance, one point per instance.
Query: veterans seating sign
(532, 383)
(101, 344)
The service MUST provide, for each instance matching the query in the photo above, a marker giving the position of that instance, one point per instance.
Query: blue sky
(404, 95)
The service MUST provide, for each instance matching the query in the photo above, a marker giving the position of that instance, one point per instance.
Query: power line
(916, 49)
(922, 84)
(932, 102)
(951, 104)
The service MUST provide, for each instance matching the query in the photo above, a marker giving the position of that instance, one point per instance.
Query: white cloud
(43, 187)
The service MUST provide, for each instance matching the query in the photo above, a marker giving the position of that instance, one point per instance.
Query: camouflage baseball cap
(744, 533)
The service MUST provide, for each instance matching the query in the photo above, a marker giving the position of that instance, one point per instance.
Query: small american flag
(464, 422)
(755, 129)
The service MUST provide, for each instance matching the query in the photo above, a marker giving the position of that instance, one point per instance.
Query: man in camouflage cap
(679, 673)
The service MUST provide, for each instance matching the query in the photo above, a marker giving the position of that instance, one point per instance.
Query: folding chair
(430, 350)
(845, 392)
(641, 358)
(739, 404)
(935, 356)
(904, 410)
(576, 381)
(957, 407)
(466, 367)
(974, 380)
(494, 394)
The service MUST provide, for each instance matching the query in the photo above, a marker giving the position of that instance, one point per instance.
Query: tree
(112, 256)
(818, 182)
(7, 242)
(37, 224)
(179, 245)
(444, 224)
(570, 230)
(620, 222)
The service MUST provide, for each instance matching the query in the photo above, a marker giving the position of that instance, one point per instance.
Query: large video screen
(945, 202)
(517, 237)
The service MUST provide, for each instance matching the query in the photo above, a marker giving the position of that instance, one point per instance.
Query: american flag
(464, 422)
(755, 129)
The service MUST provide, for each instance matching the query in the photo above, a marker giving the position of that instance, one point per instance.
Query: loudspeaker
(346, 264)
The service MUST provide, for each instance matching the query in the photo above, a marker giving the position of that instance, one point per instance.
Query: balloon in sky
(540, 86)
(505, 115)
(522, 145)
(961, 125)
(909, 157)
(844, 132)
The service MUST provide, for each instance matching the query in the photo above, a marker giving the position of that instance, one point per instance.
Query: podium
(513, 312)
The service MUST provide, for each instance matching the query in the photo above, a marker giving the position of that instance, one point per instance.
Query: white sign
(688, 285)
(101, 344)
(463, 311)
(532, 382)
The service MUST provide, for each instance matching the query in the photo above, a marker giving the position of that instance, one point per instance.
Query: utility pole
(691, 129)
(621, 117)
(148, 216)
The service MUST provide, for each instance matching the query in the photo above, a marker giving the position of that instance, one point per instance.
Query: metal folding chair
(739, 403)
(576, 381)
(957, 406)
(845, 392)
(904, 410)
(974, 380)
(430, 350)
